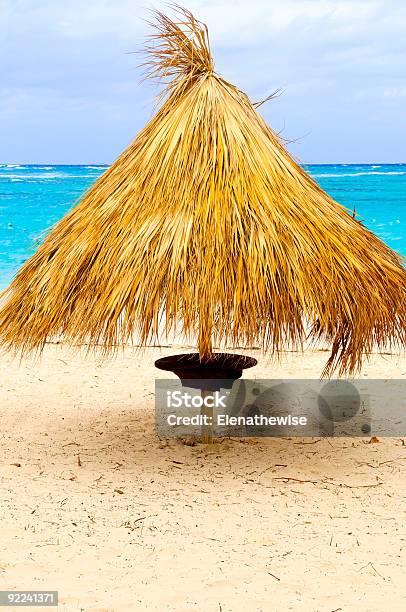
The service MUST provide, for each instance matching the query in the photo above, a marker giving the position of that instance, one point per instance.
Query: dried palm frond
(180, 50)
(207, 226)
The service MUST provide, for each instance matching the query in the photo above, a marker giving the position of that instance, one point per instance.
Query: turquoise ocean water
(34, 197)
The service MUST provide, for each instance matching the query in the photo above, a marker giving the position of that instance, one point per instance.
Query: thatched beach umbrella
(206, 225)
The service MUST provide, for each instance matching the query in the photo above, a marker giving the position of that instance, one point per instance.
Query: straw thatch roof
(207, 223)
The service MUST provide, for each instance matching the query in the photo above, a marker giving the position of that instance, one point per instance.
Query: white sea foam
(43, 176)
(358, 174)
(27, 177)
(95, 167)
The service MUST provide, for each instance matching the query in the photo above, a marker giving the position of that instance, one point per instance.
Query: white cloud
(340, 60)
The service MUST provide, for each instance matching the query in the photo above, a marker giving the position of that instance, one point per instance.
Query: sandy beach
(95, 506)
(202, 182)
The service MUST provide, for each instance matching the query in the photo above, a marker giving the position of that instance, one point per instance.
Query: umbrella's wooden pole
(205, 346)
(207, 430)
(205, 351)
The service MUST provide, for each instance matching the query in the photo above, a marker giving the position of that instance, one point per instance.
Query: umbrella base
(218, 371)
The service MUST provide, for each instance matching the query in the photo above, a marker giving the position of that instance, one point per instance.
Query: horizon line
(109, 164)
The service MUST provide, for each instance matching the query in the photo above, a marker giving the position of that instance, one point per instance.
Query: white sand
(140, 525)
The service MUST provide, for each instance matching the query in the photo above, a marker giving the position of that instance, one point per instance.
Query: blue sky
(70, 92)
